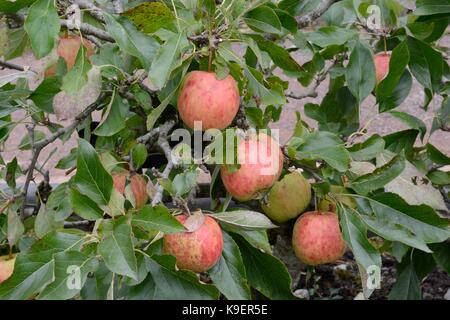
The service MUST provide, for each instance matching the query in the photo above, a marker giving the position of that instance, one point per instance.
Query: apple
(261, 162)
(68, 49)
(328, 203)
(137, 184)
(203, 97)
(139, 189)
(381, 61)
(6, 267)
(317, 238)
(287, 198)
(199, 250)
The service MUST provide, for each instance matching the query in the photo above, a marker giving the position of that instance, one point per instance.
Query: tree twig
(9, 65)
(88, 29)
(164, 145)
(307, 19)
(94, 11)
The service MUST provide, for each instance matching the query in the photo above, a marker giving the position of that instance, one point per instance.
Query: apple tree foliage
(396, 180)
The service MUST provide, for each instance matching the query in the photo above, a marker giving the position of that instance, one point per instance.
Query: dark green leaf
(77, 77)
(42, 25)
(249, 220)
(229, 273)
(114, 119)
(263, 19)
(118, 252)
(380, 177)
(157, 218)
(177, 285)
(92, 179)
(429, 7)
(360, 71)
(131, 40)
(84, 206)
(45, 92)
(265, 273)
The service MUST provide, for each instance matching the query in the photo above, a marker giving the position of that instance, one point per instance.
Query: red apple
(199, 250)
(261, 162)
(139, 190)
(205, 98)
(6, 267)
(317, 239)
(381, 61)
(68, 49)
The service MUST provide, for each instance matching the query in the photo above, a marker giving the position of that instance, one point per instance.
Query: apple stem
(385, 44)
(10, 255)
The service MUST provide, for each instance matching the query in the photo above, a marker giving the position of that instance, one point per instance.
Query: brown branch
(307, 19)
(88, 29)
(9, 65)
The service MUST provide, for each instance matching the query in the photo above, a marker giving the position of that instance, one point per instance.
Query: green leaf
(360, 71)
(380, 177)
(407, 286)
(131, 40)
(437, 156)
(278, 54)
(355, 235)
(46, 222)
(265, 273)
(114, 119)
(229, 273)
(337, 113)
(42, 25)
(331, 35)
(184, 182)
(91, 178)
(400, 140)
(149, 17)
(272, 96)
(17, 42)
(177, 285)
(45, 92)
(385, 90)
(263, 19)
(12, 168)
(368, 149)
(429, 7)
(391, 217)
(34, 269)
(77, 77)
(117, 250)
(156, 113)
(325, 146)
(157, 218)
(257, 238)
(426, 64)
(84, 206)
(14, 6)
(410, 185)
(15, 227)
(139, 154)
(398, 95)
(411, 121)
(167, 59)
(59, 202)
(71, 271)
(245, 219)
(441, 254)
